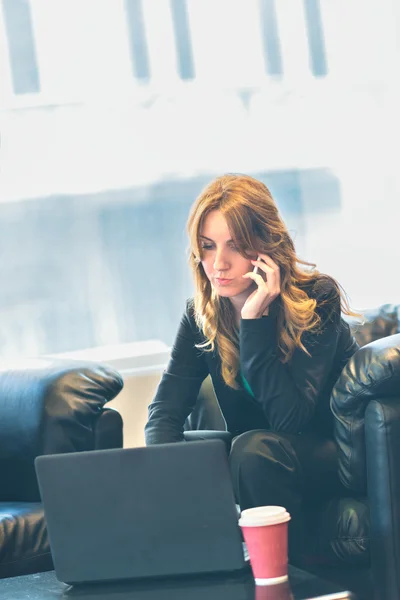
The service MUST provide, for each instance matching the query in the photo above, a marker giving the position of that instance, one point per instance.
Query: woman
(271, 336)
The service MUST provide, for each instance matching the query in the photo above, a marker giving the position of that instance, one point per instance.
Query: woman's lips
(223, 281)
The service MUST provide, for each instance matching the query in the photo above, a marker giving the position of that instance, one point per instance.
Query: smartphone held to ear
(258, 271)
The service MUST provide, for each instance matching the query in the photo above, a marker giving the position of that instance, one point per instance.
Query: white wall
(132, 402)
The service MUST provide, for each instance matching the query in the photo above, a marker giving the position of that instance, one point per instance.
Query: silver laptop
(141, 512)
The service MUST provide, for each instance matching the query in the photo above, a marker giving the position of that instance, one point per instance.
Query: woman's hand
(267, 290)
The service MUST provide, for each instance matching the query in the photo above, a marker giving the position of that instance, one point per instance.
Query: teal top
(246, 385)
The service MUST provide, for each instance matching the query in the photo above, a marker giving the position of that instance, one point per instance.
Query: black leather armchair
(47, 406)
(354, 535)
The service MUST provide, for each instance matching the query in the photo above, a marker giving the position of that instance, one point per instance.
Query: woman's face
(222, 263)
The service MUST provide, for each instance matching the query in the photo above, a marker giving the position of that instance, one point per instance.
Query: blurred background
(115, 114)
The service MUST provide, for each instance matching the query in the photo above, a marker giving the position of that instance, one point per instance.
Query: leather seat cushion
(339, 533)
(24, 544)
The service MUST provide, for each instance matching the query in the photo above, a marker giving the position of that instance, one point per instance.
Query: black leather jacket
(292, 397)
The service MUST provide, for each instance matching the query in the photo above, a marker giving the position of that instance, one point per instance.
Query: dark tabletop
(45, 586)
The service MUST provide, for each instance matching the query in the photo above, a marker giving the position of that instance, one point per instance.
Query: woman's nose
(220, 262)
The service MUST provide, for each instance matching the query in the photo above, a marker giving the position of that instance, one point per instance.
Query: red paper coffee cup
(265, 531)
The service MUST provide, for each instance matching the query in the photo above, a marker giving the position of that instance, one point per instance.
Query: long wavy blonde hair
(256, 227)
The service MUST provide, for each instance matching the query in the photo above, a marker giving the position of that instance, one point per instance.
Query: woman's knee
(260, 447)
(265, 470)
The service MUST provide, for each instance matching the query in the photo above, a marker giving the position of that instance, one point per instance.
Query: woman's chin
(225, 293)
(232, 291)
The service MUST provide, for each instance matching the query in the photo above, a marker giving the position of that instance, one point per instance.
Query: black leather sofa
(47, 406)
(354, 535)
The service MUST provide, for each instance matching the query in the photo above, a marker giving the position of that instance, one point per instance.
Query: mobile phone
(258, 271)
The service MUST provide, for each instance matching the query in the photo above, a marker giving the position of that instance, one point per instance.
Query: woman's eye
(210, 247)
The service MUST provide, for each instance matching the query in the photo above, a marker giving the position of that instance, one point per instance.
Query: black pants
(294, 471)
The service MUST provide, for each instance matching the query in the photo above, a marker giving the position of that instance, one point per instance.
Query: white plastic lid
(263, 515)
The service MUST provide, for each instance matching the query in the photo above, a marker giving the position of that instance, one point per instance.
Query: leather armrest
(382, 435)
(372, 373)
(48, 406)
(108, 431)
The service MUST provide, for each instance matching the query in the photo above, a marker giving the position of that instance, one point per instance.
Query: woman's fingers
(268, 287)
(272, 273)
(262, 265)
(270, 270)
(268, 261)
(259, 279)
